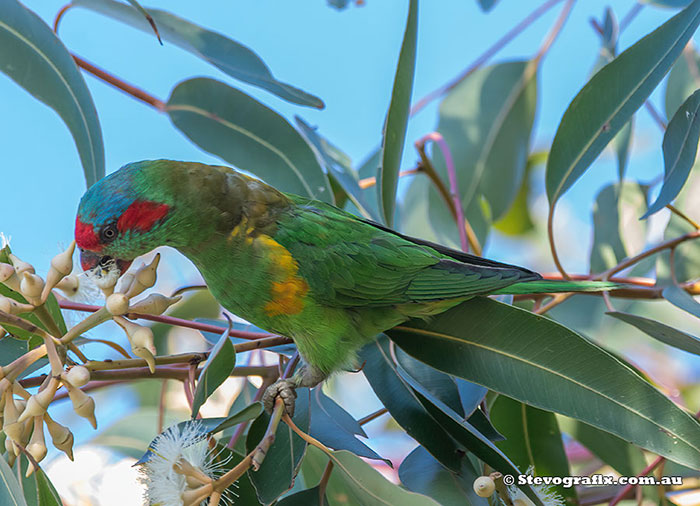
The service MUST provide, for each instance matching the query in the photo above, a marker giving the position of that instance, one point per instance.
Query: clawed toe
(286, 390)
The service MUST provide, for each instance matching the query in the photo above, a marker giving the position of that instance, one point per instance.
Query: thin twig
(454, 186)
(324, 481)
(170, 320)
(552, 246)
(655, 115)
(556, 29)
(372, 416)
(683, 216)
(631, 14)
(369, 182)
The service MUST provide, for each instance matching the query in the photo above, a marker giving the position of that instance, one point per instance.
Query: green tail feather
(549, 286)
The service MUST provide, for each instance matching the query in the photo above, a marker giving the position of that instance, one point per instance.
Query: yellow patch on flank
(288, 293)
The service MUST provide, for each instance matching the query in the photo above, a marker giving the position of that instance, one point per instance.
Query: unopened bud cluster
(23, 416)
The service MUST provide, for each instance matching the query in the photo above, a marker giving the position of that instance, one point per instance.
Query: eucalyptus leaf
(421, 473)
(539, 362)
(661, 332)
(682, 81)
(229, 56)
(33, 57)
(237, 128)
(682, 299)
(680, 147)
(610, 98)
(216, 369)
(394, 134)
(10, 491)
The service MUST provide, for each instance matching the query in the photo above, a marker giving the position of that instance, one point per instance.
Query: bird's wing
(350, 262)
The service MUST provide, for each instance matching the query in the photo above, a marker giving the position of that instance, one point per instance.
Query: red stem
(170, 320)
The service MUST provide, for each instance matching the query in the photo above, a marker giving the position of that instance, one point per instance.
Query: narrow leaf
(10, 491)
(217, 368)
(397, 118)
(148, 17)
(33, 57)
(543, 364)
(229, 56)
(421, 473)
(611, 97)
(682, 81)
(682, 299)
(661, 332)
(680, 146)
(234, 126)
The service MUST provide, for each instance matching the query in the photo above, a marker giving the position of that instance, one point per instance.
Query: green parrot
(291, 265)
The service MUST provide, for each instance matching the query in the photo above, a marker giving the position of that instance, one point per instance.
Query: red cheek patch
(85, 236)
(141, 215)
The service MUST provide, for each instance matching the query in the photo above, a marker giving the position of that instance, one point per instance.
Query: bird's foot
(286, 390)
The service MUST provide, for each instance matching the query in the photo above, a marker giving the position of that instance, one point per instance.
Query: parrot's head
(119, 218)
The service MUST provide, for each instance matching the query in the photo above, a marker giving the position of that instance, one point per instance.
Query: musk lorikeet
(298, 267)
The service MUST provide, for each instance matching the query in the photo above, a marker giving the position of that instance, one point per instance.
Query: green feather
(550, 286)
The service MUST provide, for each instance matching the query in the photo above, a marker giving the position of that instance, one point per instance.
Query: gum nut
(34, 408)
(126, 282)
(484, 486)
(63, 262)
(9, 445)
(78, 376)
(5, 305)
(69, 285)
(8, 277)
(155, 303)
(83, 405)
(117, 304)
(147, 356)
(142, 337)
(61, 436)
(31, 287)
(20, 265)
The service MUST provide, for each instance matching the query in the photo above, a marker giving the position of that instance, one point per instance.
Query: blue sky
(348, 58)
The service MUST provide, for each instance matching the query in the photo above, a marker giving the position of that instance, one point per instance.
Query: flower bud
(117, 304)
(69, 285)
(126, 281)
(155, 303)
(61, 437)
(484, 486)
(10, 414)
(78, 376)
(61, 266)
(11, 306)
(31, 287)
(141, 340)
(83, 404)
(144, 278)
(39, 403)
(37, 444)
(8, 277)
(20, 265)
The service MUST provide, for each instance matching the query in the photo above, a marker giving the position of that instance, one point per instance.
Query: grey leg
(307, 377)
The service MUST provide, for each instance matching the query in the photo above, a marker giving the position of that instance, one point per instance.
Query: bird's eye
(108, 233)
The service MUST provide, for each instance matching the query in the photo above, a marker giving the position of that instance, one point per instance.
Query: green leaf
(673, 4)
(229, 56)
(404, 406)
(683, 80)
(368, 487)
(680, 147)
(486, 121)
(47, 494)
(466, 435)
(661, 332)
(543, 364)
(622, 144)
(217, 368)
(626, 459)
(532, 439)
(682, 299)
(470, 395)
(421, 473)
(397, 118)
(242, 490)
(687, 255)
(278, 470)
(329, 423)
(611, 97)
(10, 491)
(517, 220)
(338, 167)
(33, 57)
(617, 231)
(237, 128)
(308, 497)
